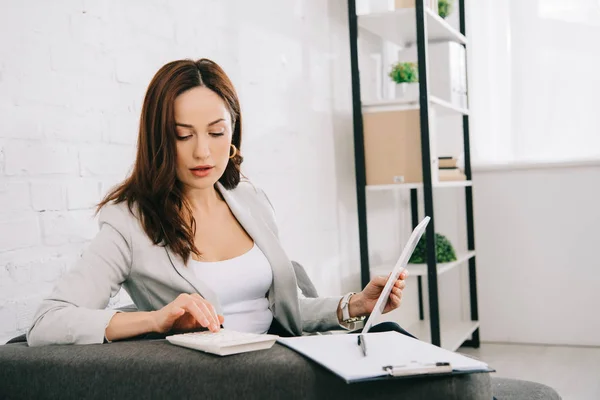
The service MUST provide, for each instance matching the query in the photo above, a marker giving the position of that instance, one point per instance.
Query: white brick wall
(47, 196)
(39, 158)
(72, 79)
(19, 231)
(82, 194)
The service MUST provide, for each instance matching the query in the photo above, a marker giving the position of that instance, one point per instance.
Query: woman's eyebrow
(216, 121)
(192, 127)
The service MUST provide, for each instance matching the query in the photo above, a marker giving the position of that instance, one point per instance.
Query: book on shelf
(447, 162)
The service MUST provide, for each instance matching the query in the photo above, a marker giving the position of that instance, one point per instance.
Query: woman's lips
(201, 172)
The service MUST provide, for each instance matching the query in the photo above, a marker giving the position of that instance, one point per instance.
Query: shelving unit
(400, 26)
(418, 26)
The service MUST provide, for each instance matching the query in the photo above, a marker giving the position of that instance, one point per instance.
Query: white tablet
(400, 266)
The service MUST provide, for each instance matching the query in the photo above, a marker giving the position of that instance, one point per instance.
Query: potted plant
(445, 7)
(444, 252)
(406, 76)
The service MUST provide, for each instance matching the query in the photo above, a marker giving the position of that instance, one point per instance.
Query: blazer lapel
(283, 295)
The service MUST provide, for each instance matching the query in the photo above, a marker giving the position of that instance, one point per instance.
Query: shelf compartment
(399, 26)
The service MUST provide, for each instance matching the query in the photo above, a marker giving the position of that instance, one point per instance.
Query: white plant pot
(408, 91)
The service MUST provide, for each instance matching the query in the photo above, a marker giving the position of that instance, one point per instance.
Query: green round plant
(445, 7)
(444, 251)
(404, 72)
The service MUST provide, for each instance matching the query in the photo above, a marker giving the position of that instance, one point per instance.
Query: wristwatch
(345, 306)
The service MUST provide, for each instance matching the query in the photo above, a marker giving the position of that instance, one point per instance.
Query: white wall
(72, 77)
(537, 254)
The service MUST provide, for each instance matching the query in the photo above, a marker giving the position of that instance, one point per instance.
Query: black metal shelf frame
(359, 153)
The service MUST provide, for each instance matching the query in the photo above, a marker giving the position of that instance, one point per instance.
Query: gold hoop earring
(235, 151)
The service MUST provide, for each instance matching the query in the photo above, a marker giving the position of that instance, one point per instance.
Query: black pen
(363, 344)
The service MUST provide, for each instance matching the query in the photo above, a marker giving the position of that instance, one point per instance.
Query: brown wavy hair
(153, 186)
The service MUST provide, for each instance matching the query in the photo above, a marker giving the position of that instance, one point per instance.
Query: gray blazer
(122, 255)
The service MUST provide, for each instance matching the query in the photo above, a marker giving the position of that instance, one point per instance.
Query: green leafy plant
(404, 72)
(445, 7)
(444, 251)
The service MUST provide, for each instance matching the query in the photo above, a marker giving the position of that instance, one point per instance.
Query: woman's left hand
(363, 303)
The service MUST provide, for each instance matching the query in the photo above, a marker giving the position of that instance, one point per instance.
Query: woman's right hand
(186, 313)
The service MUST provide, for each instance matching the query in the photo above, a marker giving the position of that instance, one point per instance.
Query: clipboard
(391, 355)
(415, 368)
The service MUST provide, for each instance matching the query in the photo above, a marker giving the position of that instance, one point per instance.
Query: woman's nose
(201, 150)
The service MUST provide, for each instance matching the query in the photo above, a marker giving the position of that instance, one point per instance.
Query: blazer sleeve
(318, 314)
(75, 311)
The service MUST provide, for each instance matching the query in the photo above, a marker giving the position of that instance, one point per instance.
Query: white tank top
(241, 285)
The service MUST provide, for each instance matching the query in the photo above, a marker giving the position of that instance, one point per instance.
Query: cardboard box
(393, 147)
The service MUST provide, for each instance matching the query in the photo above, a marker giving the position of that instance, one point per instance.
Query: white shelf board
(400, 26)
(390, 105)
(453, 333)
(421, 269)
(452, 184)
(418, 185)
(443, 107)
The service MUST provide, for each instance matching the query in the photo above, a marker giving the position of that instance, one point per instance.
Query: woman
(194, 245)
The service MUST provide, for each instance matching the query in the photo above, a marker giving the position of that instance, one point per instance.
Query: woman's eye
(215, 134)
(183, 137)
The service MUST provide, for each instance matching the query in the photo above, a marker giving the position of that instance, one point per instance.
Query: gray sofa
(150, 368)
(154, 369)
